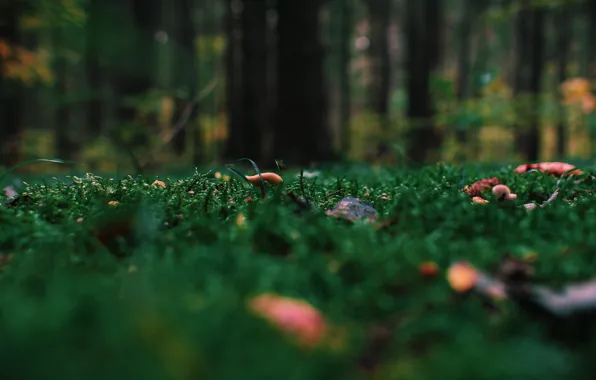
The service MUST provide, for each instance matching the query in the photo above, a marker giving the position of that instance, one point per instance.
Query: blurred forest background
(150, 84)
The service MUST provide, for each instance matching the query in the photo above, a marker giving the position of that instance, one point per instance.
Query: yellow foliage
(100, 155)
(579, 91)
(214, 45)
(25, 65)
(365, 130)
(497, 87)
(53, 12)
(166, 113)
(214, 129)
(31, 22)
(496, 142)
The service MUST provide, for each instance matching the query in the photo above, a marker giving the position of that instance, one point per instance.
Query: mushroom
(502, 192)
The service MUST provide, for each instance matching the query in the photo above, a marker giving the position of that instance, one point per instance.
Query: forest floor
(202, 277)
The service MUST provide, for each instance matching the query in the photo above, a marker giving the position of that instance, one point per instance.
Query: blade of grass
(254, 165)
(280, 165)
(50, 160)
(240, 175)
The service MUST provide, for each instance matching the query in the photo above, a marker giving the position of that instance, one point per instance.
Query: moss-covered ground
(121, 278)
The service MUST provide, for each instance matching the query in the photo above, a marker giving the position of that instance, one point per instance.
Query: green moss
(163, 296)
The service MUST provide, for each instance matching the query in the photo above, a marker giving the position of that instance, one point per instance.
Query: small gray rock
(353, 209)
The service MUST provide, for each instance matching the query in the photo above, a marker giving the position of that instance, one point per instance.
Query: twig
(185, 115)
(550, 199)
(183, 120)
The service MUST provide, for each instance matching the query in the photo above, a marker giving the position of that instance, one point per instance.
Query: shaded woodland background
(149, 84)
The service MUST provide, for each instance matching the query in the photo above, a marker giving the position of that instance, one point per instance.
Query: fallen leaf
(240, 220)
(462, 277)
(429, 269)
(159, 183)
(294, 317)
(479, 200)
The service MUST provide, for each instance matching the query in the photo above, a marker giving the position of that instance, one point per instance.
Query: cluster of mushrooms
(502, 193)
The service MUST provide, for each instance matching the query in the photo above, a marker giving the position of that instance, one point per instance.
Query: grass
(155, 287)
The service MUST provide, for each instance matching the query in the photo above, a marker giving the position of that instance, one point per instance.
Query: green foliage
(165, 298)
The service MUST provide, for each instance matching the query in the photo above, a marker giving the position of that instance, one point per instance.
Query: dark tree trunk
(592, 39)
(435, 30)
(234, 82)
(181, 30)
(269, 129)
(424, 139)
(345, 30)
(302, 135)
(93, 70)
(63, 142)
(10, 113)
(563, 45)
(138, 74)
(528, 76)
(254, 77)
(380, 12)
(463, 62)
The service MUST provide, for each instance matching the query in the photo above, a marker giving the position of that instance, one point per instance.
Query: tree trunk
(527, 82)
(254, 77)
(564, 39)
(183, 81)
(63, 143)
(591, 53)
(234, 82)
(380, 12)
(94, 74)
(345, 32)
(138, 75)
(424, 139)
(302, 135)
(10, 113)
(463, 62)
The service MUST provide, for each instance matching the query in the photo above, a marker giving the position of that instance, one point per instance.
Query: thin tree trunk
(137, 75)
(591, 53)
(254, 75)
(268, 130)
(63, 143)
(183, 79)
(380, 12)
(233, 81)
(10, 112)
(463, 70)
(93, 71)
(528, 75)
(302, 135)
(424, 139)
(345, 97)
(564, 36)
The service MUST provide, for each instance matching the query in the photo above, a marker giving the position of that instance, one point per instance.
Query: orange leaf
(4, 49)
(294, 317)
(462, 277)
(429, 269)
